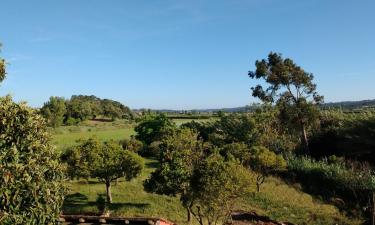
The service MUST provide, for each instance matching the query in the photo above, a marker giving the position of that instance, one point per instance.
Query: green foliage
(265, 161)
(215, 187)
(105, 161)
(291, 88)
(132, 144)
(239, 151)
(333, 178)
(71, 121)
(153, 128)
(81, 107)
(204, 129)
(272, 134)
(351, 135)
(179, 154)
(31, 177)
(54, 111)
(234, 128)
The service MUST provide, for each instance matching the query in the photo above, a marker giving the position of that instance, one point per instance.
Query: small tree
(105, 161)
(215, 187)
(264, 161)
(293, 90)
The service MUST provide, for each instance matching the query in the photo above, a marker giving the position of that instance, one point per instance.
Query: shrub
(31, 177)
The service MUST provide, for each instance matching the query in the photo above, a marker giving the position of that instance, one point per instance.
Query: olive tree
(291, 88)
(105, 161)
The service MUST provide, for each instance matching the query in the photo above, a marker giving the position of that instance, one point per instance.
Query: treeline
(60, 111)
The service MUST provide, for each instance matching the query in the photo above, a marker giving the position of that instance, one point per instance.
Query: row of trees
(59, 111)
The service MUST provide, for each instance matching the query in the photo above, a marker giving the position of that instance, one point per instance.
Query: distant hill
(345, 105)
(350, 105)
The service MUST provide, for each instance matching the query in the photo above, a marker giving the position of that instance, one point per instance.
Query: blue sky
(182, 54)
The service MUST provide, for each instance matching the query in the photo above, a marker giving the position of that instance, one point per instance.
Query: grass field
(277, 199)
(66, 136)
(179, 122)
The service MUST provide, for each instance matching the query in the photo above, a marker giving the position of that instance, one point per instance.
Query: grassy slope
(277, 199)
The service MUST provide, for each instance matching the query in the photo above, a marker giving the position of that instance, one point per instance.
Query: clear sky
(180, 54)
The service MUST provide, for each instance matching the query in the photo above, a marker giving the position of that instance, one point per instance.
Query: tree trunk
(108, 189)
(260, 181)
(188, 215)
(304, 138)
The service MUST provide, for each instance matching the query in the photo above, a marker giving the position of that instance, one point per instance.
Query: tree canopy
(153, 127)
(105, 161)
(291, 88)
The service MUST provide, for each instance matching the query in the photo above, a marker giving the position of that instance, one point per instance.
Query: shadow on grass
(78, 203)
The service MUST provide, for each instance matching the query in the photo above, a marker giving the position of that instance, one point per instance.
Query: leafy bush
(31, 177)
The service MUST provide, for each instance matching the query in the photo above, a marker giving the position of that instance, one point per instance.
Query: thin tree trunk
(188, 215)
(304, 138)
(108, 189)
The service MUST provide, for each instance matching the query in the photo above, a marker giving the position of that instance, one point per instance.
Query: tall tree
(105, 161)
(291, 88)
